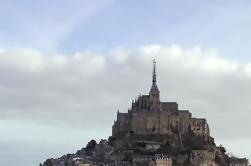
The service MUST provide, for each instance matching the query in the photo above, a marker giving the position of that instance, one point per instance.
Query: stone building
(239, 162)
(203, 158)
(163, 160)
(58, 162)
(156, 160)
(149, 115)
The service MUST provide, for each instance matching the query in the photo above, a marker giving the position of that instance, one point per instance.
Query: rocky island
(153, 133)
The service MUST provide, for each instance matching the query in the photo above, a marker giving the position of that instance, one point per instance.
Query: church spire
(154, 72)
(154, 89)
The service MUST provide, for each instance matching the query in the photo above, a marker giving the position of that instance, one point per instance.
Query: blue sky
(70, 26)
(59, 58)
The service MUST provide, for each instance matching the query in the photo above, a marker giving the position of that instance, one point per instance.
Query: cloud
(120, 55)
(90, 84)
(83, 91)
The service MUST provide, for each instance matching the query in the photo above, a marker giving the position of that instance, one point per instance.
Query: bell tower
(154, 92)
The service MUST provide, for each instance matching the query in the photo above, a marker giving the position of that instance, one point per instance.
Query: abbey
(149, 115)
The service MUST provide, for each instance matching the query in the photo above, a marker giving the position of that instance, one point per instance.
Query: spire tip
(154, 72)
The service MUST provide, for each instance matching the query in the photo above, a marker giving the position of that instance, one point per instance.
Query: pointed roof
(154, 88)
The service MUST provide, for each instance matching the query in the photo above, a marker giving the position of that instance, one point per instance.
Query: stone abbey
(148, 115)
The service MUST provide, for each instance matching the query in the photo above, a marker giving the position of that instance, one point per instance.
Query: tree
(91, 144)
(222, 149)
(90, 147)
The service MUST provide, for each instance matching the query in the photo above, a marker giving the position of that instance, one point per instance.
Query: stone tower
(154, 92)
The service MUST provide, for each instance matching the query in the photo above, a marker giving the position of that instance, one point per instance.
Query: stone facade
(202, 158)
(239, 162)
(157, 160)
(163, 160)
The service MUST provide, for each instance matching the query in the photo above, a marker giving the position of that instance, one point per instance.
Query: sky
(66, 67)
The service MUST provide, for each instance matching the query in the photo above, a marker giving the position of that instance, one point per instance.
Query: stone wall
(200, 126)
(152, 124)
(165, 122)
(141, 119)
(185, 121)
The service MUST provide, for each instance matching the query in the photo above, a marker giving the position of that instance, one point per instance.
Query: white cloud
(120, 55)
(247, 69)
(84, 90)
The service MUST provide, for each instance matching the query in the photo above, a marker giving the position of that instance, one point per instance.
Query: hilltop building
(149, 115)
